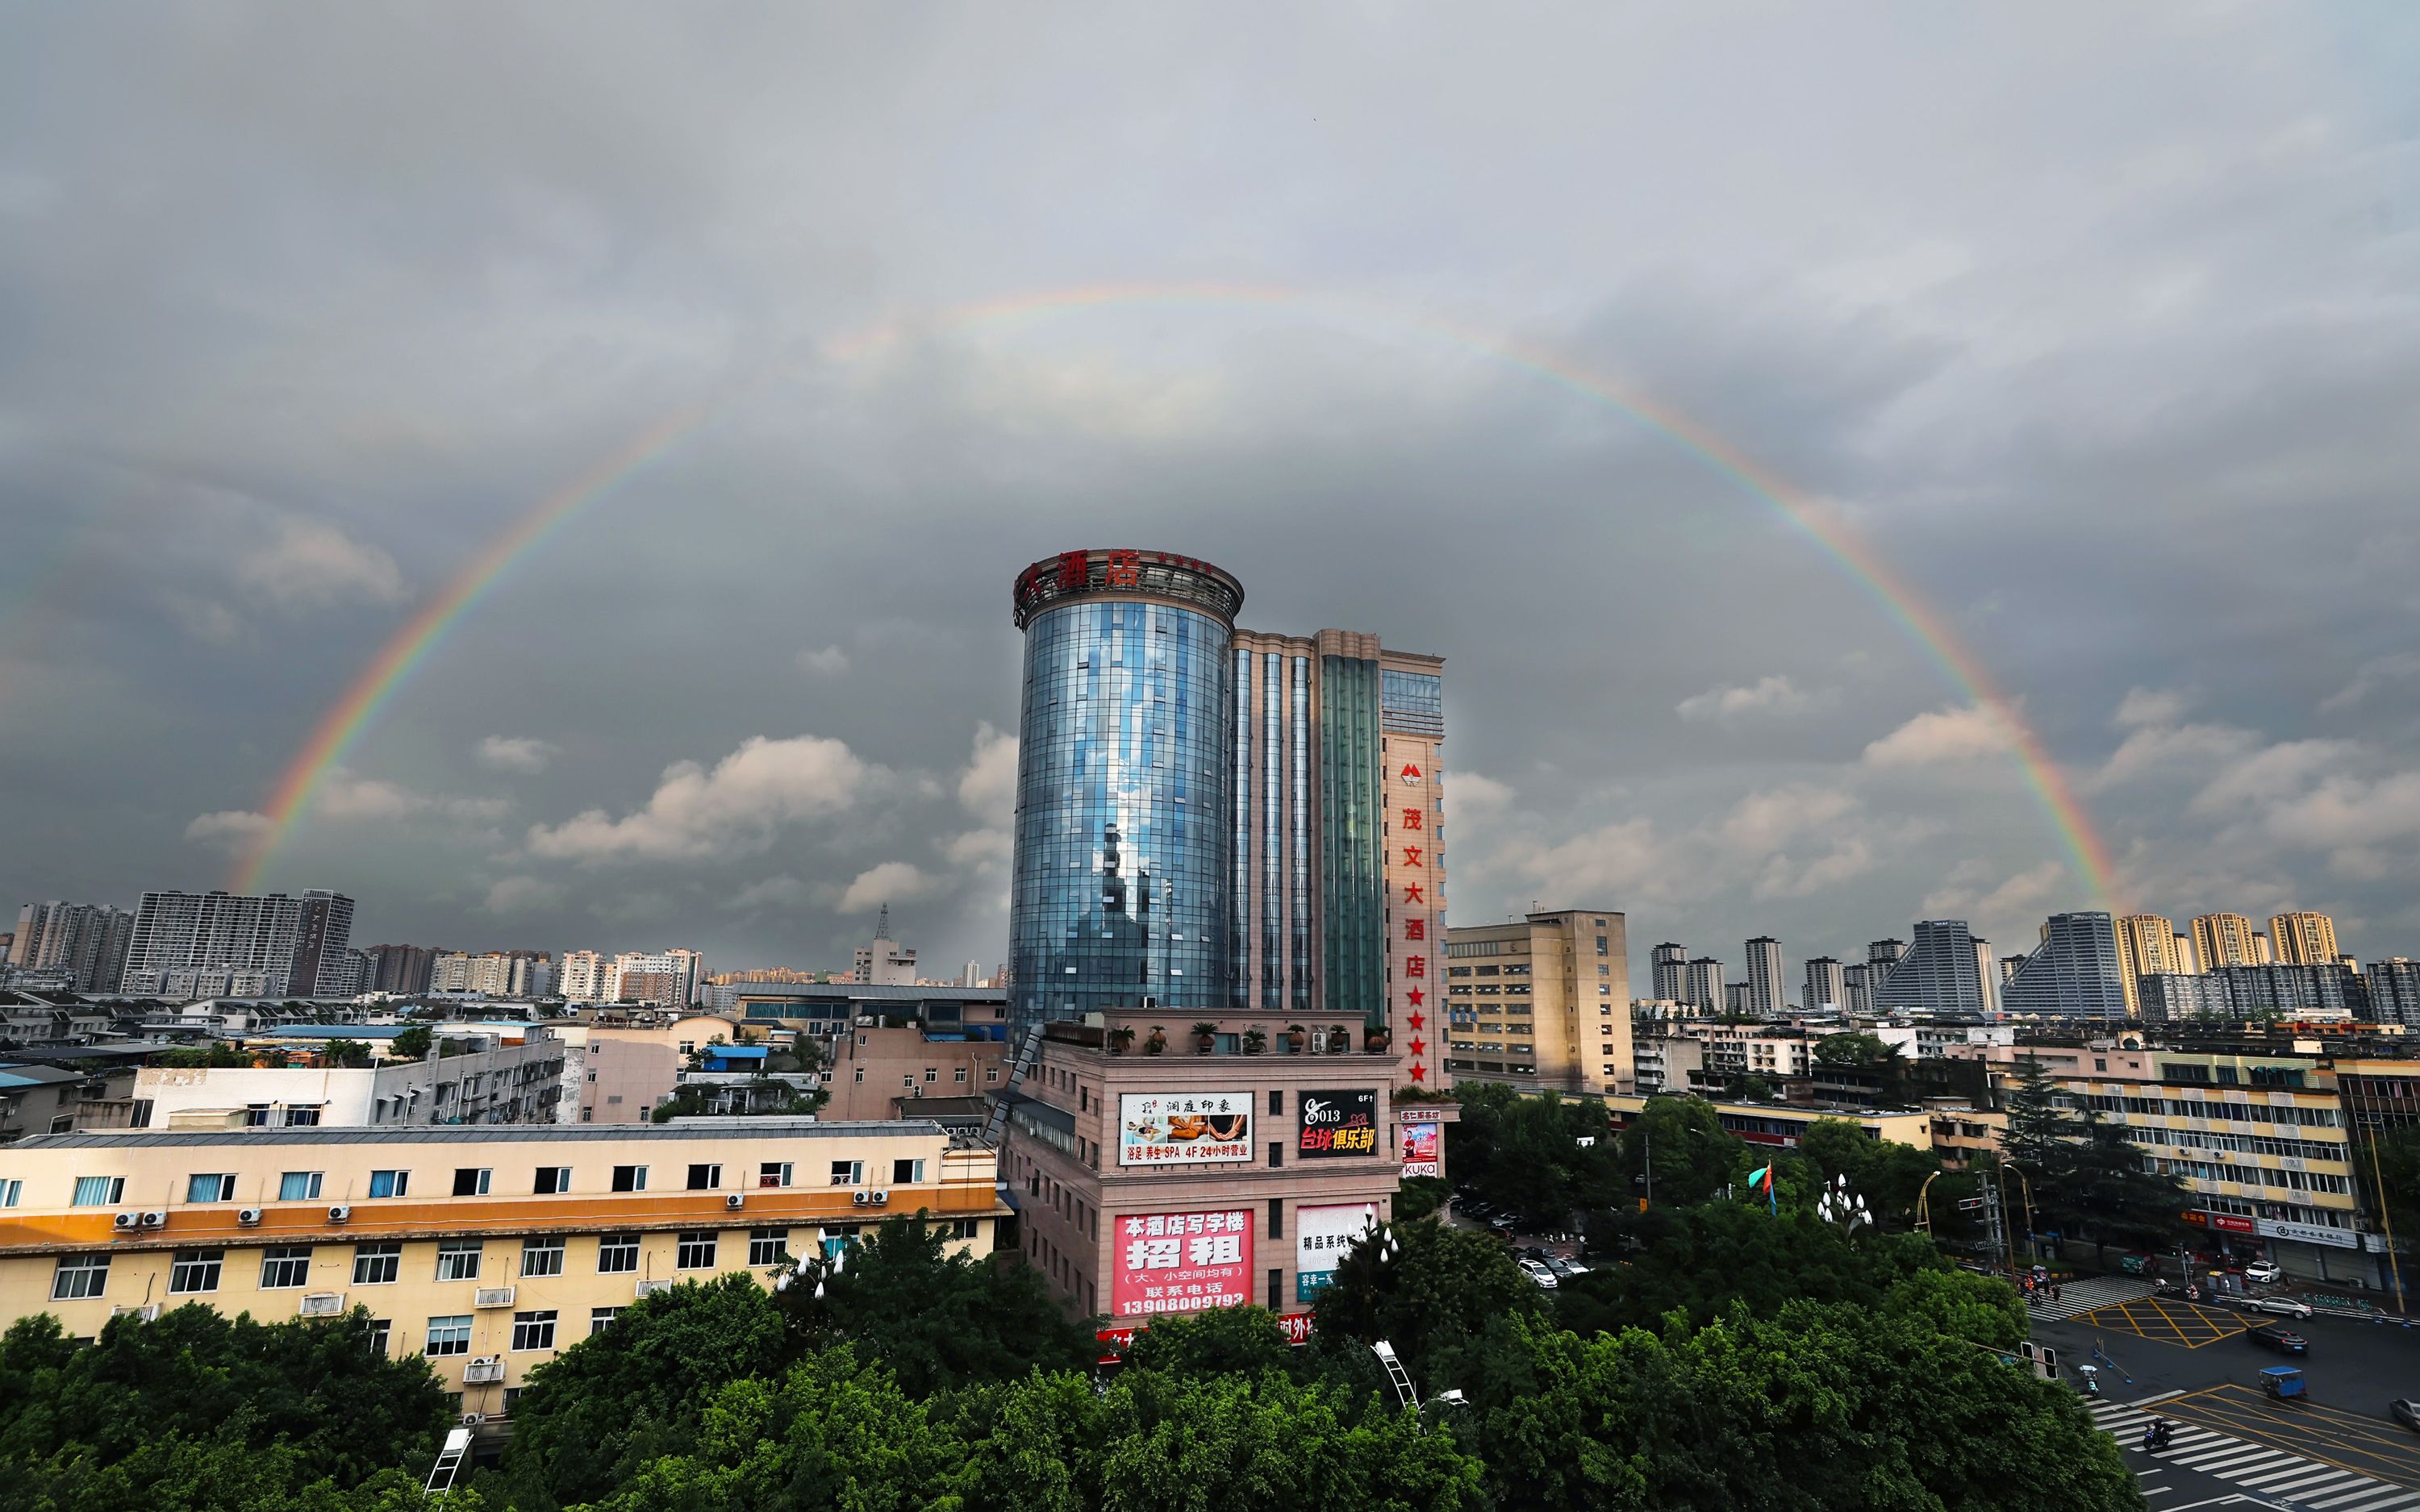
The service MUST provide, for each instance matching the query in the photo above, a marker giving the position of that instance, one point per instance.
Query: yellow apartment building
(1542, 1004)
(487, 1249)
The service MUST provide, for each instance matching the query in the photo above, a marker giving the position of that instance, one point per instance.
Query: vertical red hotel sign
(1412, 920)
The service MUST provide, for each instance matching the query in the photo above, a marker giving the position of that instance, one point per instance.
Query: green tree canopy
(411, 1044)
(1432, 1299)
(1694, 1157)
(1852, 1049)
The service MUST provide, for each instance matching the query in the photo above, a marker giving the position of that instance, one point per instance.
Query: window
(600, 1317)
(962, 1229)
(471, 1183)
(859, 1077)
(195, 1270)
(303, 1118)
(1276, 1103)
(10, 1192)
(100, 1190)
(696, 1252)
(958, 1074)
(1277, 1155)
(257, 1115)
(617, 1253)
(847, 1172)
(629, 1178)
(766, 1246)
(907, 1172)
(773, 1173)
(457, 1259)
(533, 1331)
(704, 1177)
(380, 1330)
(932, 1074)
(542, 1256)
(378, 1264)
(299, 1186)
(552, 1181)
(449, 1335)
(390, 1183)
(79, 1276)
(217, 1186)
(287, 1265)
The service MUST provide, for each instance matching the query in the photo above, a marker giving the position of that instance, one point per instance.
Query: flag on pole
(1762, 1176)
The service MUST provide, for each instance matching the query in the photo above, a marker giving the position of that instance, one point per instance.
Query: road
(2336, 1452)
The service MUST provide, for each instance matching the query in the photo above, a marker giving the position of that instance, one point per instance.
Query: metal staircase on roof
(1026, 1054)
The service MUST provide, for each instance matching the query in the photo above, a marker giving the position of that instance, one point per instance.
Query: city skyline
(570, 530)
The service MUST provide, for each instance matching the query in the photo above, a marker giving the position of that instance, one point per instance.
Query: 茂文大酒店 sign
(1182, 1128)
(1181, 1263)
(1420, 1141)
(1339, 1123)
(1321, 1237)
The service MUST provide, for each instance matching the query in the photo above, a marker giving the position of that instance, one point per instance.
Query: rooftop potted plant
(1293, 1038)
(1121, 1039)
(1158, 1043)
(1256, 1040)
(1375, 1039)
(1339, 1042)
(1205, 1038)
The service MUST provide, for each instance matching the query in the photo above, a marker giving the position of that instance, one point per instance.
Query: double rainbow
(353, 714)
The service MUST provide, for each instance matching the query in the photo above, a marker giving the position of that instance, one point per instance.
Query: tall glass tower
(1124, 856)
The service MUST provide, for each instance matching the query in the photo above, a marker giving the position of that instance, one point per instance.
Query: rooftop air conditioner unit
(472, 1420)
(492, 1297)
(484, 1371)
(247, 1216)
(735, 1200)
(861, 1198)
(339, 1214)
(879, 1198)
(126, 1219)
(155, 1219)
(648, 1288)
(321, 1303)
(148, 1312)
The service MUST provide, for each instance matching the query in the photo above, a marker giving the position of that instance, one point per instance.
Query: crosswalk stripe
(2303, 1478)
(2369, 1494)
(2196, 1441)
(2235, 1464)
(2233, 1453)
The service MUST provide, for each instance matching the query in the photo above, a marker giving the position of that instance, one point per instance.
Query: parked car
(1538, 1273)
(2279, 1338)
(2262, 1272)
(1564, 1270)
(2287, 1307)
(2404, 1410)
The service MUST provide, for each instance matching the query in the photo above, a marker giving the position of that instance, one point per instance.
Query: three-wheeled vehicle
(2282, 1382)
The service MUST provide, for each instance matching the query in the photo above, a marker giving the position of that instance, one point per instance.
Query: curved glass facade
(1121, 872)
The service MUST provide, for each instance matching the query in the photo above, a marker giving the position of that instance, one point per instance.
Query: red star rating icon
(1419, 1046)
(1416, 1020)
(1420, 1073)
(1413, 996)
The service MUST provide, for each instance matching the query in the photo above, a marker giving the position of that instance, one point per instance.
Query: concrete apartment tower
(1766, 996)
(2303, 939)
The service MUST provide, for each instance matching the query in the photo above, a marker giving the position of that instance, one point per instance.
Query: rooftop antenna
(882, 923)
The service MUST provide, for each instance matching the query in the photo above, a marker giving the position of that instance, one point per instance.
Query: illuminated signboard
(1420, 1142)
(1181, 1263)
(1321, 1237)
(1339, 1123)
(1185, 1128)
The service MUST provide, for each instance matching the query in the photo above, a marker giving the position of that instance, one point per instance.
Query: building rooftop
(485, 1133)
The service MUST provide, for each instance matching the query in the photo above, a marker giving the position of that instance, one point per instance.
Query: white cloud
(205, 620)
(2269, 775)
(988, 786)
(1768, 695)
(312, 565)
(508, 895)
(892, 882)
(368, 800)
(823, 661)
(739, 805)
(783, 892)
(1952, 734)
(1617, 861)
(2374, 675)
(1763, 822)
(2147, 705)
(1850, 859)
(517, 754)
(1470, 796)
(979, 848)
(233, 829)
(2151, 748)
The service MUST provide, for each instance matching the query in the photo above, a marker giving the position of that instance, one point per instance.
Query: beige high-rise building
(2225, 940)
(2147, 946)
(2187, 961)
(1542, 1003)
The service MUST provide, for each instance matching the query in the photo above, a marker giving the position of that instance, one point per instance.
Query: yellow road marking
(2293, 1421)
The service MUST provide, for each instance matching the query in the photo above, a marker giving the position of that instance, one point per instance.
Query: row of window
(2255, 1176)
(379, 1262)
(2177, 1107)
(468, 1181)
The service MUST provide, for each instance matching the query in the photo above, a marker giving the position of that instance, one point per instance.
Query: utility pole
(1648, 1137)
(1994, 1229)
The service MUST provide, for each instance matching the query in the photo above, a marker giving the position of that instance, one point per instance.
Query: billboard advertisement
(1181, 1263)
(1321, 1237)
(1421, 1138)
(1339, 1123)
(1184, 1128)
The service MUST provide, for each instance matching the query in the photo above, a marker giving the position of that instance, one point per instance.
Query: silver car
(2286, 1307)
(1538, 1273)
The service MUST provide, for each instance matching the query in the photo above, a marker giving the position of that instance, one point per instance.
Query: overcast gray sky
(2101, 328)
